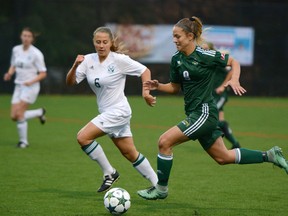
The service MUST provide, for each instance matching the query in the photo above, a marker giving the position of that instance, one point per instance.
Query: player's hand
(151, 84)
(28, 83)
(7, 77)
(79, 60)
(150, 100)
(220, 89)
(236, 87)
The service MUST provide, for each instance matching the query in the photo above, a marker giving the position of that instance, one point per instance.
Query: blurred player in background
(27, 62)
(220, 94)
(192, 69)
(106, 72)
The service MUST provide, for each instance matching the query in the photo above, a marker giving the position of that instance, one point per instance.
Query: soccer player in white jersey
(27, 62)
(106, 72)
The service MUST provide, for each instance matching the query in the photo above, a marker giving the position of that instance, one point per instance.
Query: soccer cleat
(152, 193)
(42, 118)
(108, 181)
(22, 145)
(275, 156)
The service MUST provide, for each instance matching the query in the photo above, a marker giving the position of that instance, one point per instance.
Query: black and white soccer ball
(117, 201)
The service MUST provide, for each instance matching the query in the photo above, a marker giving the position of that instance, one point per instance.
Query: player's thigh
(89, 133)
(126, 147)
(29, 94)
(172, 137)
(18, 109)
(24, 93)
(220, 100)
(221, 115)
(220, 153)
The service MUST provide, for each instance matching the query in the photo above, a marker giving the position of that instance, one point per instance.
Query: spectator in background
(27, 62)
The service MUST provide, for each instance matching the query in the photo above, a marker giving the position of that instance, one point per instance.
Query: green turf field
(54, 177)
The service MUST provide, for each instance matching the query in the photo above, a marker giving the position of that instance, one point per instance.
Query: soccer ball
(117, 201)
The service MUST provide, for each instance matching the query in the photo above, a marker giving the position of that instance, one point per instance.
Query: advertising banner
(154, 43)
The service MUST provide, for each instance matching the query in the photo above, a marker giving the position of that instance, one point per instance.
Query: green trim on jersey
(195, 73)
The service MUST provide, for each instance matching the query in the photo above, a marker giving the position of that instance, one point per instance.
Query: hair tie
(191, 19)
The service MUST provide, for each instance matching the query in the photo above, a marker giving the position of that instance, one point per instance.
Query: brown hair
(192, 25)
(116, 47)
(34, 34)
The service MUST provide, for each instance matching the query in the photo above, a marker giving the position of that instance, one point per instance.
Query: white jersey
(107, 79)
(27, 63)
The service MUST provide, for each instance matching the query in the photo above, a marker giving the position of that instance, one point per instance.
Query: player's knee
(82, 140)
(13, 117)
(16, 116)
(163, 143)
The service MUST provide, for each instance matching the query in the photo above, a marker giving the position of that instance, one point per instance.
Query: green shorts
(202, 125)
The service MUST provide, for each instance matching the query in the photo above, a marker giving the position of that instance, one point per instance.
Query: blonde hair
(115, 47)
(192, 25)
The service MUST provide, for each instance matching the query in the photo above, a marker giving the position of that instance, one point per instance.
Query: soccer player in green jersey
(220, 94)
(192, 70)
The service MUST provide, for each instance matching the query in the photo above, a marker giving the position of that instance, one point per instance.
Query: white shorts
(115, 126)
(25, 93)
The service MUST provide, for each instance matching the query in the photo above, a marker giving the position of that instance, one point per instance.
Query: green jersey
(195, 73)
(220, 76)
(220, 99)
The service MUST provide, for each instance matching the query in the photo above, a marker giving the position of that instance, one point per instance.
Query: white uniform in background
(27, 63)
(107, 80)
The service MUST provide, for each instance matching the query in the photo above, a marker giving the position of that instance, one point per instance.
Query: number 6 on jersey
(97, 83)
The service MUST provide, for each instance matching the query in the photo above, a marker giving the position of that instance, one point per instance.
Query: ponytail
(192, 25)
(116, 47)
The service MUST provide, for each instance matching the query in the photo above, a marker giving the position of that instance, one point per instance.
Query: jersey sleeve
(174, 75)
(130, 67)
(39, 62)
(81, 71)
(221, 59)
(12, 62)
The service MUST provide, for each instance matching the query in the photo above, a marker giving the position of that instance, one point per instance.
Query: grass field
(54, 177)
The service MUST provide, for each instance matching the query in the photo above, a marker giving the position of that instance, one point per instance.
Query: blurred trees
(66, 28)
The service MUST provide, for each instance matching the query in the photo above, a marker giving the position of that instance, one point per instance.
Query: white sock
(143, 166)
(96, 153)
(22, 127)
(237, 155)
(29, 114)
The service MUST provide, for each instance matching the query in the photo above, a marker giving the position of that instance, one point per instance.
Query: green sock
(251, 156)
(228, 133)
(164, 165)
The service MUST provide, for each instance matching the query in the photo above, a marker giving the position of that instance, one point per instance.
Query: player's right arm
(71, 75)
(9, 74)
(171, 88)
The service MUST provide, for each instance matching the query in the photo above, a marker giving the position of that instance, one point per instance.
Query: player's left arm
(234, 81)
(150, 100)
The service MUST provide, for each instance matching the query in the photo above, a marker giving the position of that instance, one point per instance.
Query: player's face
(102, 43)
(182, 39)
(27, 38)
